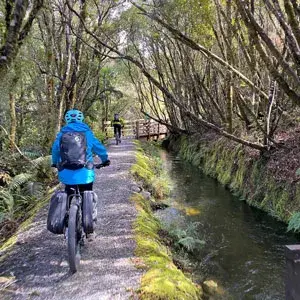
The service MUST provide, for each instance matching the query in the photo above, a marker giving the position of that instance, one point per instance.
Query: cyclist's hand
(106, 163)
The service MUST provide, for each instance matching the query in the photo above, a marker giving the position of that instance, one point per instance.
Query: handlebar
(97, 166)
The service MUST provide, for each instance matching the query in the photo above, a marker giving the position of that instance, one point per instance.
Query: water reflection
(244, 247)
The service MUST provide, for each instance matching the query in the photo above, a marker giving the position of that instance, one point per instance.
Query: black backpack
(73, 150)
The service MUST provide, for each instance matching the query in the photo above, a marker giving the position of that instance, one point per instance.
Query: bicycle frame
(77, 200)
(74, 225)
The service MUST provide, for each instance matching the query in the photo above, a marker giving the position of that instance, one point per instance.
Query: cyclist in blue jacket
(84, 175)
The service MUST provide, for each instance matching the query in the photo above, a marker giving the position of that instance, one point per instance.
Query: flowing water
(244, 249)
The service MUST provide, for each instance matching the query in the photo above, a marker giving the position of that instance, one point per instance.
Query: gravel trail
(39, 259)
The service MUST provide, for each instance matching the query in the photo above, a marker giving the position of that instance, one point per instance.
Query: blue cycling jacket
(84, 175)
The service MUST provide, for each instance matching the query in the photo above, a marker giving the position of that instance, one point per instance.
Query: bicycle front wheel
(73, 239)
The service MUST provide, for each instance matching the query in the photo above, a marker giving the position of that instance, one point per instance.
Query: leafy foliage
(184, 235)
(23, 191)
(294, 222)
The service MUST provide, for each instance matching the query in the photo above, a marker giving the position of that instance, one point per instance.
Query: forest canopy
(228, 66)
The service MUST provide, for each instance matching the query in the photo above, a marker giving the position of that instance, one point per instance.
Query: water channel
(244, 249)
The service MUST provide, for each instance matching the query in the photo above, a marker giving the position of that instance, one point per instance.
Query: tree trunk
(13, 121)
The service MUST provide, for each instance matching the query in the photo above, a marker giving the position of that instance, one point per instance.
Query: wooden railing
(139, 129)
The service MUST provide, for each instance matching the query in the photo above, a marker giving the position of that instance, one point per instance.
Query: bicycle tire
(73, 239)
(87, 211)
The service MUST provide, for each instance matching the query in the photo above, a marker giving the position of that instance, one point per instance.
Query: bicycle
(76, 221)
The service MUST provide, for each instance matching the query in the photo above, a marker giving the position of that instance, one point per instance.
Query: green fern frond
(19, 180)
(43, 161)
(294, 222)
(3, 216)
(34, 189)
(24, 204)
(6, 201)
(22, 198)
(29, 154)
(191, 243)
(188, 243)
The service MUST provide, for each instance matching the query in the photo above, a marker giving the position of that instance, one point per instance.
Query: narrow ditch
(244, 247)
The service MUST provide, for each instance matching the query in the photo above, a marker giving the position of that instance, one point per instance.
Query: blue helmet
(73, 116)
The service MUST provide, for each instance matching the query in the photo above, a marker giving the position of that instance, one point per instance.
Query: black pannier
(57, 212)
(89, 202)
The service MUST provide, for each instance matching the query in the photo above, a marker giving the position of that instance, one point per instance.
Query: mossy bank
(254, 177)
(162, 279)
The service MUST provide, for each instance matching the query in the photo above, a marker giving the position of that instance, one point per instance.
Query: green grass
(149, 170)
(162, 280)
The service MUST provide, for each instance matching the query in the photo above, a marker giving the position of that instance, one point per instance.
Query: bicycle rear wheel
(73, 239)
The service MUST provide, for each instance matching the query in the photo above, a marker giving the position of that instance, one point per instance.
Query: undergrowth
(184, 235)
(294, 222)
(21, 192)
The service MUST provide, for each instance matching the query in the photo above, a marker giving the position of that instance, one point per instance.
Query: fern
(184, 235)
(34, 189)
(3, 217)
(6, 202)
(19, 180)
(43, 161)
(29, 154)
(41, 168)
(191, 243)
(294, 223)
(22, 191)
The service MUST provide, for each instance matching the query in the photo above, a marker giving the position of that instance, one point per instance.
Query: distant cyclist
(72, 154)
(118, 124)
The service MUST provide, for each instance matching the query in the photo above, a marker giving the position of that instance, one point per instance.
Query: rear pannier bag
(73, 147)
(89, 211)
(57, 212)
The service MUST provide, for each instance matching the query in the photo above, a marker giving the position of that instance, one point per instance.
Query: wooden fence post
(137, 126)
(148, 129)
(104, 127)
(292, 278)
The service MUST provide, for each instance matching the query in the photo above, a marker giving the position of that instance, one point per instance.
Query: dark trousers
(117, 128)
(82, 188)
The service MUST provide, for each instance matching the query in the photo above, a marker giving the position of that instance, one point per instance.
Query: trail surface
(39, 259)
